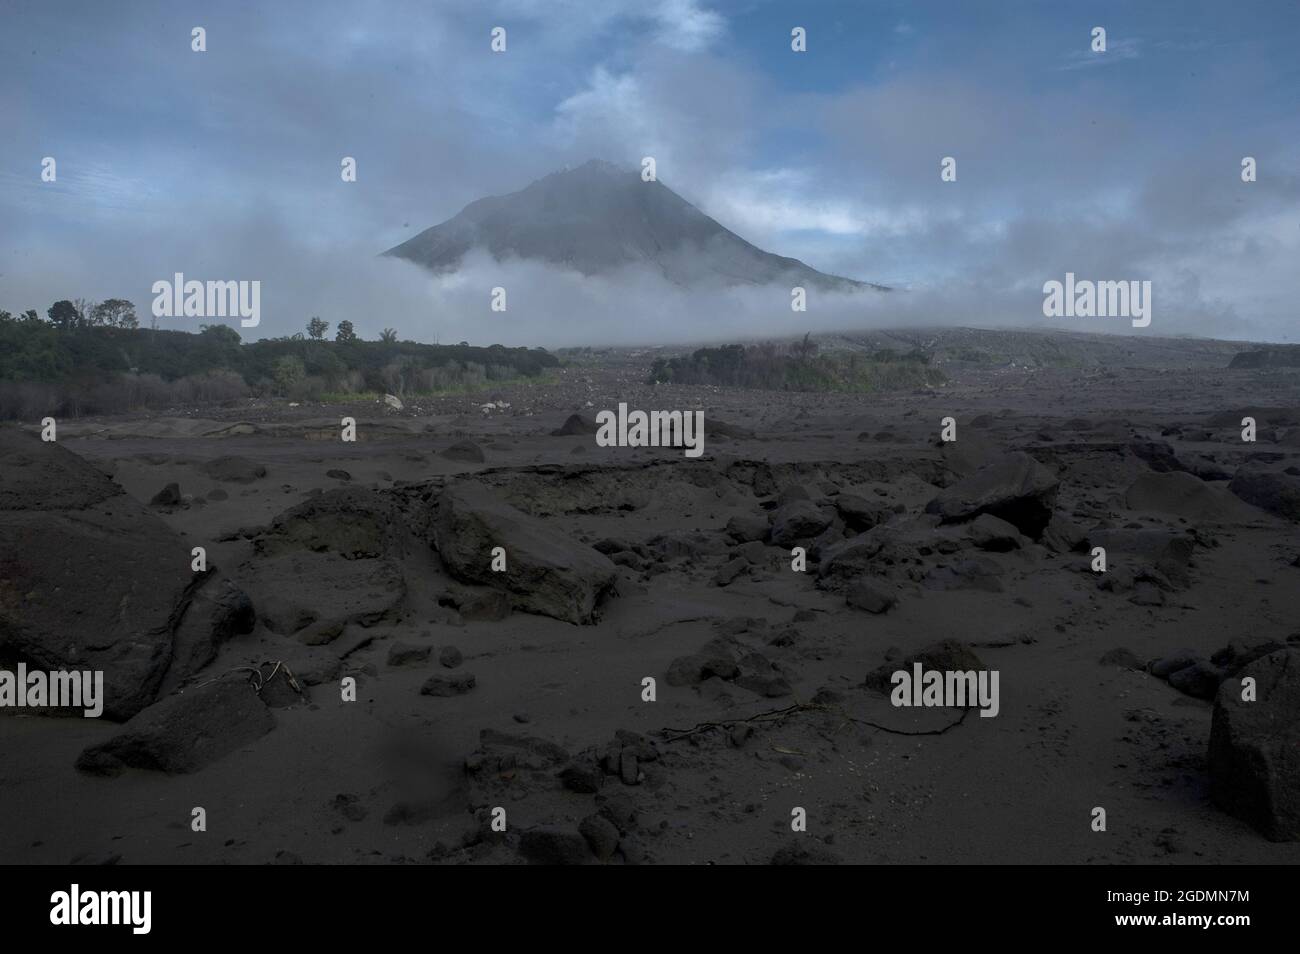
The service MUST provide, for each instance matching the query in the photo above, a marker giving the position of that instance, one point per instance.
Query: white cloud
(766, 203)
(685, 25)
(609, 100)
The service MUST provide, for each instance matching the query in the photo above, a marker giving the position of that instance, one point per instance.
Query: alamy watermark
(1089, 299)
(950, 688)
(194, 299)
(76, 907)
(626, 428)
(58, 689)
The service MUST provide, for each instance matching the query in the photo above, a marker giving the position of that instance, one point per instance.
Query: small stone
(740, 734)
(582, 777)
(629, 770)
(404, 654)
(465, 451)
(1199, 680)
(444, 686)
(169, 496)
(1121, 657)
(601, 835)
(728, 572)
(1167, 666)
(874, 596)
(350, 807)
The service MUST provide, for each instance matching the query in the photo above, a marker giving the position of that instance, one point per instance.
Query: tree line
(95, 358)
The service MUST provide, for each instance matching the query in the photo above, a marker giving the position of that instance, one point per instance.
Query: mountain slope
(600, 217)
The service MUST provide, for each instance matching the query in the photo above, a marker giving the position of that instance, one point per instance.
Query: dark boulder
(546, 571)
(185, 731)
(1016, 488)
(1254, 756)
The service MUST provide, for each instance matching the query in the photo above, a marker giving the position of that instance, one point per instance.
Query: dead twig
(257, 680)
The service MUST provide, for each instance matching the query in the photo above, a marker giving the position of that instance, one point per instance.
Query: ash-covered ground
(524, 690)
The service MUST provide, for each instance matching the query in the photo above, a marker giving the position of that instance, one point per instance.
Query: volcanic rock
(1016, 488)
(797, 520)
(991, 533)
(1164, 551)
(872, 595)
(169, 496)
(1183, 495)
(1254, 756)
(553, 846)
(239, 470)
(575, 425)
(860, 514)
(456, 684)
(93, 580)
(184, 732)
(466, 451)
(1277, 493)
(547, 572)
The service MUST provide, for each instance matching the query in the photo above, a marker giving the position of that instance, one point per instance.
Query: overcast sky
(225, 164)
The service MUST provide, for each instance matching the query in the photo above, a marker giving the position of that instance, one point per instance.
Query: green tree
(85, 308)
(388, 336)
(316, 328)
(287, 371)
(63, 315)
(224, 334)
(221, 346)
(115, 313)
(345, 334)
(31, 315)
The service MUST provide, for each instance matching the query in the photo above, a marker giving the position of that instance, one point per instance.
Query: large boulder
(967, 456)
(546, 572)
(1158, 455)
(185, 731)
(1254, 757)
(1016, 488)
(860, 514)
(1184, 495)
(215, 610)
(348, 542)
(1278, 493)
(992, 533)
(1148, 549)
(91, 579)
(364, 592)
(798, 520)
(1063, 535)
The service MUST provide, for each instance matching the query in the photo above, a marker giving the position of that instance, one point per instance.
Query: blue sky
(1123, 165)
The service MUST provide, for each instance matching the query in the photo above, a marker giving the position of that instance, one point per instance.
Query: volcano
(598, 218)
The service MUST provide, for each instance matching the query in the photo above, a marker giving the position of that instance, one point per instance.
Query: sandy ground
(1072, 734)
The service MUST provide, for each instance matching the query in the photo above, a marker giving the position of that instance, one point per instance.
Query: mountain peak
(602, 166)
(599, 217)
